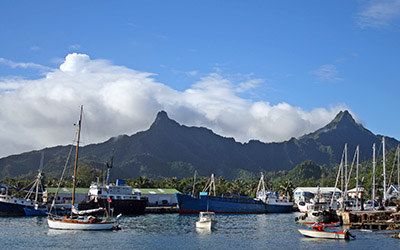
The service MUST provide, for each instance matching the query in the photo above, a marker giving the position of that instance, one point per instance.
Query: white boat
(206, 220)
(344, 234)
(79, 223)
(79, 220)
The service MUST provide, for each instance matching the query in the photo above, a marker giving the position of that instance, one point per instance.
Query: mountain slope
(170, 149)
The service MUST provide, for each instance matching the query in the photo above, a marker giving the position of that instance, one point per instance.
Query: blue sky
(309, 54)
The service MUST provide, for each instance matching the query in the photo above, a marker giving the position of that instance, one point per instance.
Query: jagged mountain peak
(343, 121)
(162, 115)
(162, 121)
(344, 117)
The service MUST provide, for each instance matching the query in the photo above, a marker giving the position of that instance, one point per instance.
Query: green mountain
(169, 149)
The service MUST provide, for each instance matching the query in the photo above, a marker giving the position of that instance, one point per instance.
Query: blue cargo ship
(266, 202)
(217, 204)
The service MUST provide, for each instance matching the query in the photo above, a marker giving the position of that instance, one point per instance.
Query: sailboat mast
(398, 165)
(194, 183)
(39, 178)
(76, 157)
(357, 165)
(345, 172)
(373, 172)
(384, 168)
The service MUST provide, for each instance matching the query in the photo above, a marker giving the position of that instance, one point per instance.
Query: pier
(378, 220)
(162, 210)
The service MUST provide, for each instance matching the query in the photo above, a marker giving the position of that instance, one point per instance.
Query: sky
(264, 70)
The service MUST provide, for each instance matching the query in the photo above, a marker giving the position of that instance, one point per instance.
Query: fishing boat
(318, 213)
(79, 220)
(312, 233)
(274, 203)
(118, 197)
(11, 205)
(206, 220)
(188, 204)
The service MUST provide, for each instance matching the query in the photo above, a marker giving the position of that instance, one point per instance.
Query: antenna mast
(76, 157)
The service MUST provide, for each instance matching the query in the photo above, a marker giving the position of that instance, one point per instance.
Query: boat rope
(395, 161)
(61, 178)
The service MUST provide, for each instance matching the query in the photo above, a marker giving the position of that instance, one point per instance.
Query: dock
(162, 210)
(378, 220)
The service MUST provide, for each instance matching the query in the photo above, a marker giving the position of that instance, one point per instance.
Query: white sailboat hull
(62, 225)
(323, 234)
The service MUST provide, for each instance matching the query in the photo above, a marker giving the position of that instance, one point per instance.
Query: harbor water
(173, 231)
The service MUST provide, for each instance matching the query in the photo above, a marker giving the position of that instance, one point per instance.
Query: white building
(307, 193)
(159, 196)
(352, 193)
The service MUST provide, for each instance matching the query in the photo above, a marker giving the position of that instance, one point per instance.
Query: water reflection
(203, 231)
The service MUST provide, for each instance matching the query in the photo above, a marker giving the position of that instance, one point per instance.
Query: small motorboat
(206, 220)
(344, 234)
(318, 231)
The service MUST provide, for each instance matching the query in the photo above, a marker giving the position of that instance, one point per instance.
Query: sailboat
(79, 220)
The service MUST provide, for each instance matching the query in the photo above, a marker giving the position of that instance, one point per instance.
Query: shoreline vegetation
(307, 173)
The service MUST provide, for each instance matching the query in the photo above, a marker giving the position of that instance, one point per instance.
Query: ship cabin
(117, 191)
(352, 193)
(307, 193)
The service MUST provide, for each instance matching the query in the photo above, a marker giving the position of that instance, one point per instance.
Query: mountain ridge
(169, 149)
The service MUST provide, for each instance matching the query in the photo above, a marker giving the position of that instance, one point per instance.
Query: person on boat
(318, 227)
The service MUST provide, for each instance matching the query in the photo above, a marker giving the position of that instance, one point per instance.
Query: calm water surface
(172, 231)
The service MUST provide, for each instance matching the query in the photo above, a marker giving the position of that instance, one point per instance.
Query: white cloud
(118, 100)
(378, 13)
(250, 84)
(23, 65)
(327, 72)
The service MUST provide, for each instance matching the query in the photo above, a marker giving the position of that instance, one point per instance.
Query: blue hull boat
(31, 211)
(286, 208)
(228, 205)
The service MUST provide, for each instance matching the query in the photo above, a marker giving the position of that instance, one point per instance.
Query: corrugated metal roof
(65, 190)
(143, 191)
(315, 189)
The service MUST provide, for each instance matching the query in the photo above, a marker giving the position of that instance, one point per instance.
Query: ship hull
(279, 208)
(190, 205)
(63, 225)
(125, 207)
(31, 211)
(10, 209)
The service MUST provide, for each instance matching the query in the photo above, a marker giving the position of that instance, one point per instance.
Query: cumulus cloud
(118, 100)
(327, 72)
(378, 13)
